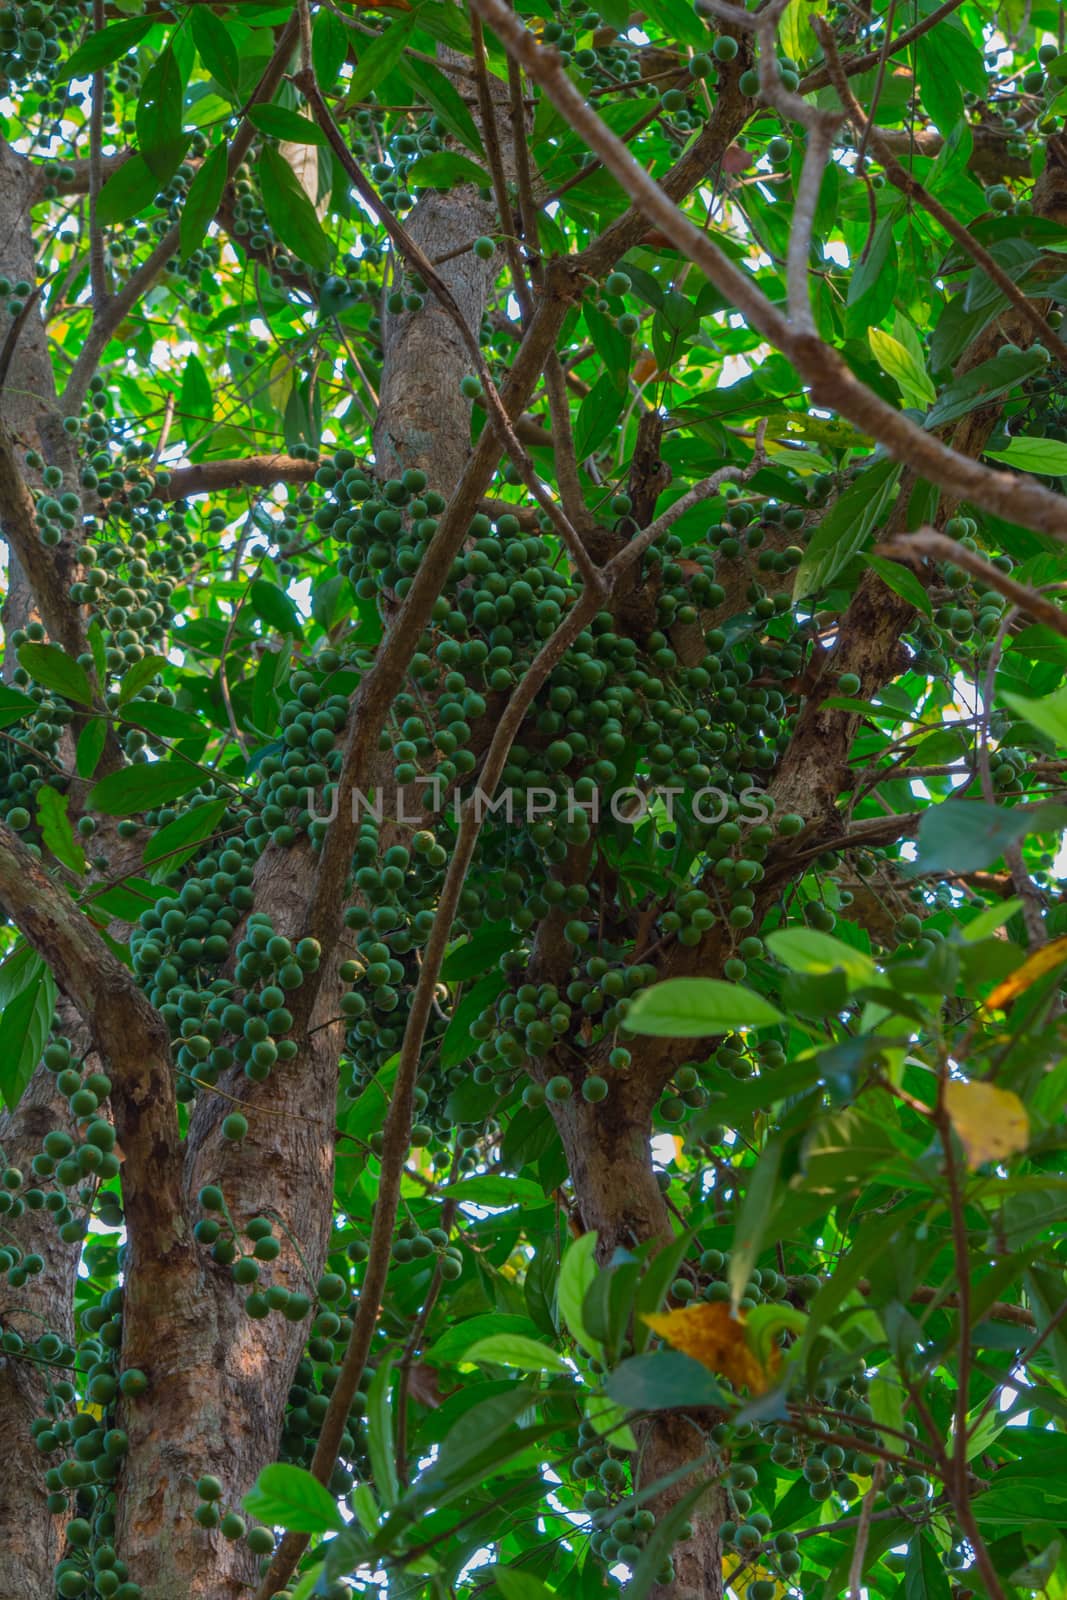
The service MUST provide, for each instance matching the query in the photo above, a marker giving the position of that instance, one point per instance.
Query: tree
(531, 750)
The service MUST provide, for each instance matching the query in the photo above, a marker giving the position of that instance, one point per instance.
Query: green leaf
(159, 117)
(129, 190)
(379, 1434)
(520, 1585)
(24, 1026)
(329, 47)
(902, 581)
(1048, 715)
(195, 824)
(19, 968)
(874, 281)
(963, 835)
(752, 1223)
(166, 722)
(290, 212)
(609, 1420)
(90, 748)
(452, 1345)
(379, 58)
(808, 950)
(846, 527)
(1047, 457)
(290, 126)
(513, 1350)
(56, 830)
(576, 1273)
(444, 169)
(696, 1008)
(14, 706)
(901, 365)
(987, 381)
(217, 50)
(482, 951)
(138, 675)
(291, 1498)
(598, 416)
(101, 48)
(430, 84)
(661, 1380)
(196, 402)
(143, 787)
(925, 1577)
(52, 668)
(457, 1043)
(202, 200)
(274, 606)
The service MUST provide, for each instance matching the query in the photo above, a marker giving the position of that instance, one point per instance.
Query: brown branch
(249, 472)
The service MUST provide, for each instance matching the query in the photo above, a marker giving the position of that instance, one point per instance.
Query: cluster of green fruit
(93, 1449)
(32, 33)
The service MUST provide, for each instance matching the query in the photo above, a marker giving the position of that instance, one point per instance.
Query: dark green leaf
(274, 606)
(195, 402)
(987, 381)
(101, 48)
(91, 742)
(159, 117)
(24, 1026)
(444, 169)
(202, 199)
(216, 49)
(482, 950)
(597, 416)
(380, 57)
(290, 212)
(964, 835)
(663, 1380)
(56, 830)
(49, 666)
(903, 582)
(291, 1498)
(755, 1213)
(329, 47)
(129, 190)
(287, 125)
(846, 527)
(432, 85)
(925, 1577)
(142, 788)
(194, 825)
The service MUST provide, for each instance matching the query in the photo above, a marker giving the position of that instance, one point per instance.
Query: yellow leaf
(709, 1334)
(990, 1123)
(743, 1578)
(1034, 967)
